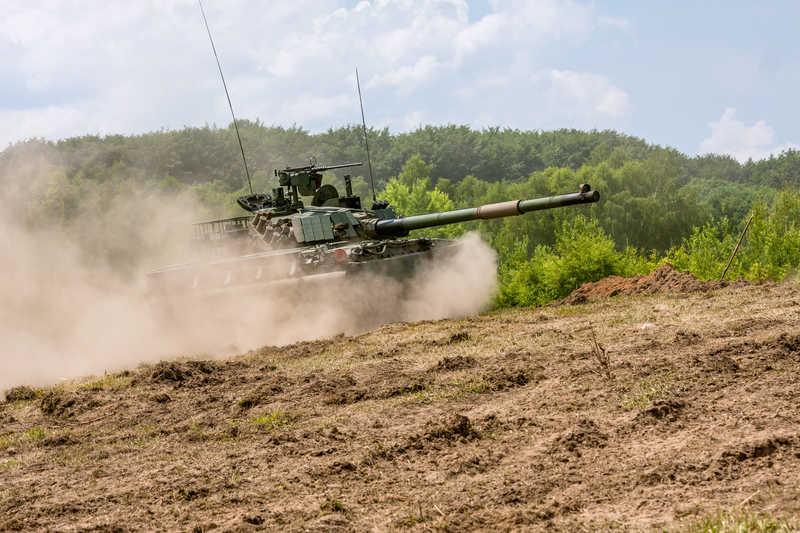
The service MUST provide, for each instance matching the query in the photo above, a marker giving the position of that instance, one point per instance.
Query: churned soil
(637, 412)
(663, 279)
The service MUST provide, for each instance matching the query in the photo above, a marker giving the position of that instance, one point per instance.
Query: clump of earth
(663, 279)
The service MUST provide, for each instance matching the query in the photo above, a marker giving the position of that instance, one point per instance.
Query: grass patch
(470, 386)
(7, 441)
(9, 464)
(647, 391)
(478, 386)
(271, 420)
(119, 381)
(146, 435)
(741, 522)
(421, 396)
(333, 505)
(196, 433)
(32, 436)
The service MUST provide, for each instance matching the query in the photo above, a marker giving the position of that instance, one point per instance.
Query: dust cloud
(73, 298)
(459, 284)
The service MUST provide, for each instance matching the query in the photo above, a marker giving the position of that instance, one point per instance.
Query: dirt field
(686, 407)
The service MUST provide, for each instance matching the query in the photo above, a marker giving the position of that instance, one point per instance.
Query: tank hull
(301, 267)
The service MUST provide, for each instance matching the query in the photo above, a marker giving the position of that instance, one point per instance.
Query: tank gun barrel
(401, 226)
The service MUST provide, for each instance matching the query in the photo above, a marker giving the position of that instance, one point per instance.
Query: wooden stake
(736, 248)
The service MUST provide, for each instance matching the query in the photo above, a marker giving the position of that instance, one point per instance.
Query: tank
(283, 240)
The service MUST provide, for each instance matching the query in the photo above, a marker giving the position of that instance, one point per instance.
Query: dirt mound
(663, 279)
(585, 434)
(20, 394)
(186, 372)
(668, 410)
(59, 403)
(456, 426)
(456, 362)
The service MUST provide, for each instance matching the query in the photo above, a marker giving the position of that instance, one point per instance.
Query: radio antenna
(228, 96)
(366, 141)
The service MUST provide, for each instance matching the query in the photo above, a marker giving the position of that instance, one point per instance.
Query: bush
(582, 252)
(705, 252)
(770, 250)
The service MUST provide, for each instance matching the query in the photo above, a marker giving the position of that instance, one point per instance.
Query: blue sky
(699, 76)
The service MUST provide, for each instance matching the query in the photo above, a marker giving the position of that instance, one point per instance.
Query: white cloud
(733, 137)
(407, 77)
(479, 34)
(136, 66)
(592, 96)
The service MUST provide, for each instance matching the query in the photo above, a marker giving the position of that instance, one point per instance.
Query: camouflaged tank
(284, 240)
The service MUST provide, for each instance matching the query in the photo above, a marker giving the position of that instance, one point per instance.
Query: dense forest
(658, 204)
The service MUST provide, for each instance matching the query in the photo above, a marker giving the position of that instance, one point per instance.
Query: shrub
(582, 252)
(770, 250)
(705, 252)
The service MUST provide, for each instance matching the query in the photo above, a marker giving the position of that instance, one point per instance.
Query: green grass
(32, 435)
(9, 464)
(458, 389)
(478, 386)
(109, 382)
(645, 392)
(741, 522)
(7, 441)
(271, 420)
